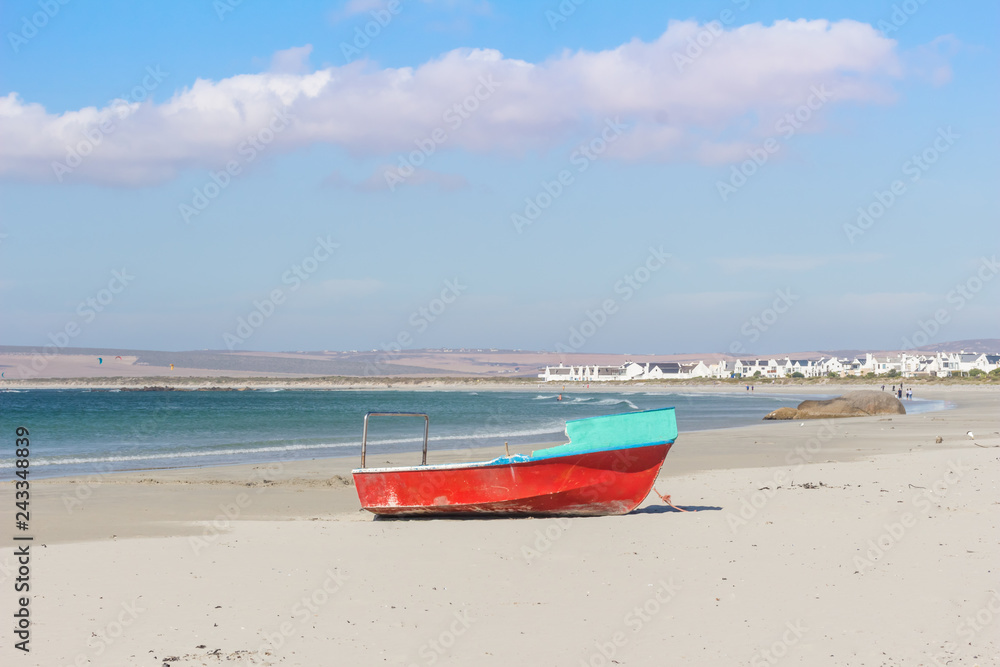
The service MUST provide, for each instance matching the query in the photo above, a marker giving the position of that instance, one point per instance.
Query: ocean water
(76, 432)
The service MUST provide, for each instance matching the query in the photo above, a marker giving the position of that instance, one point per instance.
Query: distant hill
(990, 345)
(460, 362)
(264, 363)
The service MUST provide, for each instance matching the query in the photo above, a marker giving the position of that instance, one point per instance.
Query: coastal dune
(858, 541)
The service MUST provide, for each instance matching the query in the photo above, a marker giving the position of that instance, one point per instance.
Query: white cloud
(291, 61)
(701, 113)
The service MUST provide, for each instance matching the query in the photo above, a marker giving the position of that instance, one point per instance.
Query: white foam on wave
(617, 401)
(54, 461)
(44, 461)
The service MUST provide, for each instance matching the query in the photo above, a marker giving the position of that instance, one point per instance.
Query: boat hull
(595, 483)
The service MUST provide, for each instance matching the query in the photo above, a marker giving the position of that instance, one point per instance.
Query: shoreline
(795, 393)
(758, 445)
(446, 383)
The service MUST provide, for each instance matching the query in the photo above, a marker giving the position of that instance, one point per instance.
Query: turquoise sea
(80, 431)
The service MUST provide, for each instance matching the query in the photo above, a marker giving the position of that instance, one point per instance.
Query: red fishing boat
(607, 467)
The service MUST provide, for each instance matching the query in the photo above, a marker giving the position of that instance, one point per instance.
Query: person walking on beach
(883, 387)
(900, 395)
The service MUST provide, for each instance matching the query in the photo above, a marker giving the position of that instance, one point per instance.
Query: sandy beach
(849, 542)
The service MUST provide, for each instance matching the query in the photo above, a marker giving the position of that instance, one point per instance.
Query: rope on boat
(666, 499)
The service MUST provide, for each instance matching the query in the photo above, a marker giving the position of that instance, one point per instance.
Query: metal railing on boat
(364, 433)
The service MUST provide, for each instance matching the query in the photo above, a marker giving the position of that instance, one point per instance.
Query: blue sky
(323, 144)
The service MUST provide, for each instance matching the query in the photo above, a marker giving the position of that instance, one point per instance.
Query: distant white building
(808, 367)
(834, 365)
(593, 373)
(673, 370)
(767, 368)
(988, 363)
(633, 371)
(941, 364)
(720, 369)
(559, 372)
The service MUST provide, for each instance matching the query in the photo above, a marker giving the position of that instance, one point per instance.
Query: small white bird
(969, 433)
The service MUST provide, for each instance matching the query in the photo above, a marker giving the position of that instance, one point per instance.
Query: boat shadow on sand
(667, 509)
(651, 509)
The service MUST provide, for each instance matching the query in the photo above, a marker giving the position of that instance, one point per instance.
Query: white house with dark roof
(767, 368)
(808, 367)
(834, 365)
(673, 370)
(593, 373)
(908, 365)
(988, 363)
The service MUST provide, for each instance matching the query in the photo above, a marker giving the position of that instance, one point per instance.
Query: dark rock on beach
(852, 404)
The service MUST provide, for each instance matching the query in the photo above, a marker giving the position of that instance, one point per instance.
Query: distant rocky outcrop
(851, 404)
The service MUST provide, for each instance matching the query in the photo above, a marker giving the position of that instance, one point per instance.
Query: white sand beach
(850, 542)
